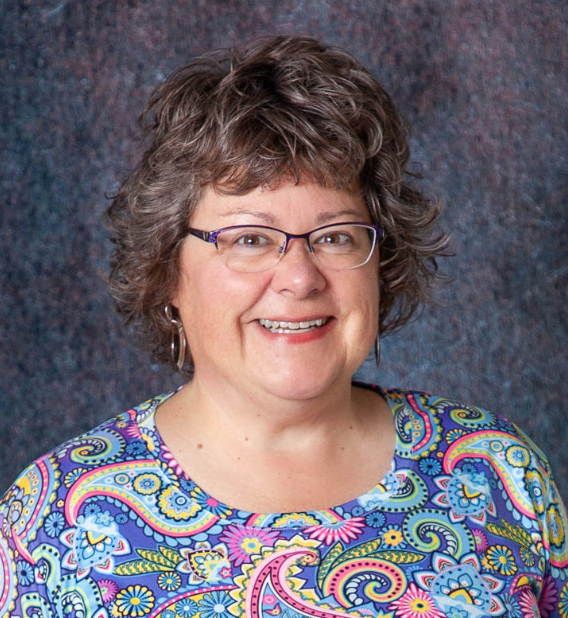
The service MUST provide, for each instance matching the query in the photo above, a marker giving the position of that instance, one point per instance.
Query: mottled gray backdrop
(484, 85)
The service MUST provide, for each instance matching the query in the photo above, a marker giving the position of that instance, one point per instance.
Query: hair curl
(236, 119)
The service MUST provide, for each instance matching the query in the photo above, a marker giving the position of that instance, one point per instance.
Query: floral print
(169, 580)
(177, 505)
(393, 537)
(415, 603)
(500, 558)
(108, 589)
(135, 601)
(25, 572)
(563, 605)
(244, 541)
(337, 530)
(215, 605)
(467, 523)
(186, 608)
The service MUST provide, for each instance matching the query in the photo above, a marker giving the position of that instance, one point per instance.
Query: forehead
(305, 201)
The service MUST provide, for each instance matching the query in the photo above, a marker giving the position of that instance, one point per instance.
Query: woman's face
(221, 309)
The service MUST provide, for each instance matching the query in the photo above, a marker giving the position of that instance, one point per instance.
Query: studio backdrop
(484, 86)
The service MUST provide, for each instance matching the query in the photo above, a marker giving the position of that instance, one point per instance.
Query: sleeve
(23, 577)
(553, 600)
(552, 520)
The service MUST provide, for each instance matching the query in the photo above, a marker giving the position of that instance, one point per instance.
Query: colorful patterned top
(466, 524)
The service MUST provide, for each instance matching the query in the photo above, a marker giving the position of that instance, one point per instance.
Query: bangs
(262, 149)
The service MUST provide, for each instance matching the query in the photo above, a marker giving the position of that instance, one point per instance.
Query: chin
(303, 385)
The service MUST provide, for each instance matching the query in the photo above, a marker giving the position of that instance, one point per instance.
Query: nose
(297, 273)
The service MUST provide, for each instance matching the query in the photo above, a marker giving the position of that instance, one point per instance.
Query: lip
(312, 335)
(300, 319)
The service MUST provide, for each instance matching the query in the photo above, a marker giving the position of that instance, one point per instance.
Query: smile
(292, 328)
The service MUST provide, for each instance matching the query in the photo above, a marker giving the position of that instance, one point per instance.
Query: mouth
(285, 327)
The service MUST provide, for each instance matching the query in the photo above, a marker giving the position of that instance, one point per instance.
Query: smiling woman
(222, 307)
(266, 240)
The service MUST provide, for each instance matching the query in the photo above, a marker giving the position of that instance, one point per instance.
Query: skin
(272, 422)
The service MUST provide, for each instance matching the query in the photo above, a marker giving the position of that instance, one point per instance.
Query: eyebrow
(325, 217)
(264, 216)
(321, 219)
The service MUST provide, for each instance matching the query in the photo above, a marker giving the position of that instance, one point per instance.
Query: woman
(268, 236)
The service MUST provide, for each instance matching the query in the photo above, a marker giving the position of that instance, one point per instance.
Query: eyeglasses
(255, 248)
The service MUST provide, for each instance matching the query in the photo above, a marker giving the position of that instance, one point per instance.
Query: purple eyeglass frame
(213, 234)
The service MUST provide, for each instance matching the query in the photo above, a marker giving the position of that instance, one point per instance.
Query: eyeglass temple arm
(206, 236)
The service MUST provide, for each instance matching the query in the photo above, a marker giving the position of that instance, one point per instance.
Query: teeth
(276, 325)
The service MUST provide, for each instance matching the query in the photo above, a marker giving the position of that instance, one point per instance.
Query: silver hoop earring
(178, 342)
(378, 349)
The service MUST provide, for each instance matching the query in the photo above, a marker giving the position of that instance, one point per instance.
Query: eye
(251, 240)
(334, 238)
(245, 240)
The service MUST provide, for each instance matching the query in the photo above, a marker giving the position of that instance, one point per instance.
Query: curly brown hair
(236, 119)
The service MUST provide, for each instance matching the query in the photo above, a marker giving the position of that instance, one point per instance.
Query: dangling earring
(378, 349)
(178, 341)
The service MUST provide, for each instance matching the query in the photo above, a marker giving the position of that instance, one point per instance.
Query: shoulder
(472, 454)
(444, 435)
(454, 426)
(47, 494)
(449, 431)
(103, 442)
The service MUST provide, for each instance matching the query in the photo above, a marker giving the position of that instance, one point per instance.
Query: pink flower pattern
(341, 530)
(416, 603)
(245, 541)
(108, 589)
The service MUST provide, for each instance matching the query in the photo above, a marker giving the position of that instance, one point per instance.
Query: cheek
(370, 312)
(213, 299)
(365, 296)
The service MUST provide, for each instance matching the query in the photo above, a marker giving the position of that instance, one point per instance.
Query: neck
(220, 410)
(268, 455)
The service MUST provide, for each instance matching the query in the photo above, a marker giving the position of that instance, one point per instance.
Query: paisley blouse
(467, 523)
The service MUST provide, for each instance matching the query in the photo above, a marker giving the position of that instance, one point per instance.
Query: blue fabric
(467, 523)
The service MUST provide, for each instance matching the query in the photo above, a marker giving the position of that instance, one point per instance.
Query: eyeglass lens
(337, 247)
